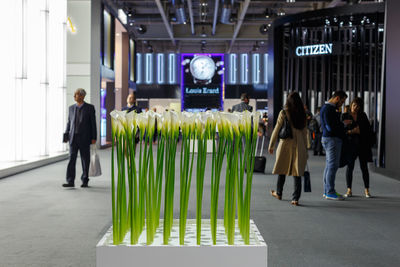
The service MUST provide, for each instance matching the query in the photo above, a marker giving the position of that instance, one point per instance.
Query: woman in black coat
(359, 136)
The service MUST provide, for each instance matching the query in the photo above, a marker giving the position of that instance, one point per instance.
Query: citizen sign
(311, 50)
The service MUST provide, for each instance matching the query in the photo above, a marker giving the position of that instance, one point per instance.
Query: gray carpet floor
(43, 224)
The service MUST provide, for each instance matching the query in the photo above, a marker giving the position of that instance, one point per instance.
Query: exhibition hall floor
(43, 224)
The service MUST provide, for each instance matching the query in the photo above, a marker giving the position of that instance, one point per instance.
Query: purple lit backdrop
(215, 57)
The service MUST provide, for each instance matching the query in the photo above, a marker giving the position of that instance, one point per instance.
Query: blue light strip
(149, 68)
(244, 69)
(139, 68)
(172, 68)
(160, 68)
(256, 68)
(265, 68)
(103, 113)
(232, 68)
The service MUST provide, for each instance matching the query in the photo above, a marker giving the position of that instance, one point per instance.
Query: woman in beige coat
(291, 154)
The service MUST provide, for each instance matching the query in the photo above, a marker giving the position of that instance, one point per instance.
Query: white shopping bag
(94, 167)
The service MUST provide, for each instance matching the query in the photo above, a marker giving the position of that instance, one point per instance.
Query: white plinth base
(190, 254)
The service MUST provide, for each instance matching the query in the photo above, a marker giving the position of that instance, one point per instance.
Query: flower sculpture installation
(141, 169)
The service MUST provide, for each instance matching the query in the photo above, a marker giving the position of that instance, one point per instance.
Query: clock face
(202, 67)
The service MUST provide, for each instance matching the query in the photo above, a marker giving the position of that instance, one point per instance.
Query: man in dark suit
(244, 105)
(81, 132)
(131, 104)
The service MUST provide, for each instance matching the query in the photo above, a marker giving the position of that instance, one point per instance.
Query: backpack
(313, 125)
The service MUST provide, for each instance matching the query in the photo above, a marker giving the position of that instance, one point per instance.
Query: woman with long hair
(359, 136)
(291, 154)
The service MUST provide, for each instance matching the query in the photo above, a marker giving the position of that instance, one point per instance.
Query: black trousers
(84, 149)
(297, 186)
(364, 171)
(318, 144)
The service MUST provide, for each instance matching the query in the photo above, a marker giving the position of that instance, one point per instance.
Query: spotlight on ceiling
(264, 29)
(290, 1)
(141, 29)
(226, 14)
(129, 12)
(149, 47)
(203, 32)
(268, 13)
(203, 45)
(256, 47)
(281, 12)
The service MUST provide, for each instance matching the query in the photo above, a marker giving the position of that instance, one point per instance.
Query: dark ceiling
(208, 25)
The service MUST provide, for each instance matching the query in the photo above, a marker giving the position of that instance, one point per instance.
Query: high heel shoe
(275, 195)
(348, 193)
(367, 194)
(295, 203)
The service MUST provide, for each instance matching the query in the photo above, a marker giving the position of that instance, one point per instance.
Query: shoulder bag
(286, 130)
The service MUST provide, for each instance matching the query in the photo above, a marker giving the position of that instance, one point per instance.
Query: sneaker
(324, 195)
(335, 196)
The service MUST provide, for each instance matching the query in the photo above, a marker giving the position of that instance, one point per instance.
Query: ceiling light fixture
(180, 15)
(226, 14)
(203, 32)
(141, 29)
(268, 13)
(264, 29)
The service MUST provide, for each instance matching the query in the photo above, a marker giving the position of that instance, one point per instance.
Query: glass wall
(33, 76)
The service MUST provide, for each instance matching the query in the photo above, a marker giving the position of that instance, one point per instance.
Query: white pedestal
(190, 254)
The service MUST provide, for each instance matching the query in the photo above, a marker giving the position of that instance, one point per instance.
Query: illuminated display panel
(199, 95)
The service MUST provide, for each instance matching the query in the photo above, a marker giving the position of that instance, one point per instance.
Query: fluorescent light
(160, 68)
(232, 68)
(256, 68)
(139, 68)
(122, 16)
(244, 69)
(149, 68)
(172, 68)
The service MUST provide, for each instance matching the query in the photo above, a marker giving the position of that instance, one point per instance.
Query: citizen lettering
(311, 50)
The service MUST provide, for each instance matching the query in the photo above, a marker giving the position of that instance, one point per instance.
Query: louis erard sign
(314, 50)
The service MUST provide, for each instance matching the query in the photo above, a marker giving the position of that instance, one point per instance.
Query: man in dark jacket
(131, 104)
(332, 136)
(244, 105)
(81, 132)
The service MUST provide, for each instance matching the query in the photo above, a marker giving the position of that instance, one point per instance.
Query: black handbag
(307, 181)
(65, 137)
(286, 130)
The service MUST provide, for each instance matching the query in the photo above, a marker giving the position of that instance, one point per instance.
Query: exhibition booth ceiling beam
(207, 19)
(214, 26)
(166, 22)
(243, 11)
(190, 7)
